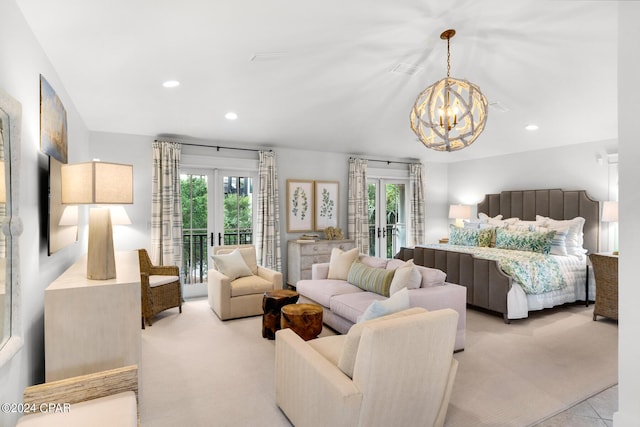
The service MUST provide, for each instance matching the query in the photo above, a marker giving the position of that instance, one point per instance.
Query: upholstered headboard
(556, 204)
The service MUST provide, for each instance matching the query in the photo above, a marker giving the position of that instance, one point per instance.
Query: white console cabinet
(92, 325)
(301, 255)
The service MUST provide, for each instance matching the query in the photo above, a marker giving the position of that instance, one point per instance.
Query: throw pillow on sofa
(406, 276)
(340, 263)
(377, 280)
(396, 302)
(431, 276)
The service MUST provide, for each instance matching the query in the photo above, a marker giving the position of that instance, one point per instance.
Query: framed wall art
(300, 203)
(53, 123)
(326, 203)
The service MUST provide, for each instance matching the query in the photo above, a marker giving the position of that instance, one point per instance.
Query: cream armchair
(232, 295)
(396, 370)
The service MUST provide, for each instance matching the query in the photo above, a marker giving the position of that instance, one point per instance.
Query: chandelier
(451, 113)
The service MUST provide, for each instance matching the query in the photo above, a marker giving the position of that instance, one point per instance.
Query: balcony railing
(391, 233)
(194, 251)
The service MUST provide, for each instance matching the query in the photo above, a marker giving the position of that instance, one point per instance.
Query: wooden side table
(304, 319)
(272, 302)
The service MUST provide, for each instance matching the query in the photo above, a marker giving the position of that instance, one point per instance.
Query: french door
(387, 216)
(217, 209)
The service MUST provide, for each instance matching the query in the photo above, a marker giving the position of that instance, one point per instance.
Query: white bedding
(573, 269)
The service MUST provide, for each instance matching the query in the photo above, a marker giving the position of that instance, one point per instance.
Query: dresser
(92, 325)
(301, 255)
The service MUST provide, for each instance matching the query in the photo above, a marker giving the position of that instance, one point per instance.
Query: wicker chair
(605, 271)
(160, 287)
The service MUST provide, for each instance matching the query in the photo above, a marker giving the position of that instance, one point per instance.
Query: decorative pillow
(486, 236)
(431, 276)
(484, 218)
(496, 221)
(397, 302)
(406, 276)
(377, 280)
(532, 241)
(372, 261)
(232, 265)
(248, 253)
(463, 236)
(559, 243)
(340, 263)
(574, 241)
(392, 264)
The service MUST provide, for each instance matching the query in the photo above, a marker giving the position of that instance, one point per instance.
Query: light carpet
(199, 371)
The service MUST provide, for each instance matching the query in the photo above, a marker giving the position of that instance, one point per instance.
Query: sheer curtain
(416, 234)
(357, 208)
(166, 210)
(268, 215)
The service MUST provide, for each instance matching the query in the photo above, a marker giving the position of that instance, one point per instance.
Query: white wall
(572, 167)
(629, 291)
(21, 63)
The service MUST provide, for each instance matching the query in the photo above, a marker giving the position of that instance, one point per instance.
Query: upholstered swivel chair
(396, 370)
(236, 283)
(160, 287)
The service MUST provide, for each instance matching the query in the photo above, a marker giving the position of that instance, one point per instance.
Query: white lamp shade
(460, 211)
(96, 183)
(610, 211)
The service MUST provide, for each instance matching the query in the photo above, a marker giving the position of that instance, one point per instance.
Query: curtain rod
(219, 147)
(388, 162)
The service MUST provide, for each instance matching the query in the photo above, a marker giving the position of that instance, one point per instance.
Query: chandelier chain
(448, 57)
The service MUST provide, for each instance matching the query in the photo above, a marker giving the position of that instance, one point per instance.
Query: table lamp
(459, 212)
(610, 214)
(98, 183)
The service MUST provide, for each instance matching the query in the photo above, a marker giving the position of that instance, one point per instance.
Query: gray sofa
(343, 303)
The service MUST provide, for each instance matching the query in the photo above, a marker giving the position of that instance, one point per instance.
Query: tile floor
(596, 411)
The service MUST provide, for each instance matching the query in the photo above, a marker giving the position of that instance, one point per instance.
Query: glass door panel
(237, 210)
(195, 224)
(387, 217)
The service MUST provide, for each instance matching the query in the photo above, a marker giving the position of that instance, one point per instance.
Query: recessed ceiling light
(171, 83)
(231, 115)
(531, 127)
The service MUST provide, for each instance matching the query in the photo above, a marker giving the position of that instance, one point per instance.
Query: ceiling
(324, 75)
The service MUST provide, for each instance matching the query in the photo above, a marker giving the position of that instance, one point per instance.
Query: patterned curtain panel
(3, 205)
(357, 207)
(268, 218)
(166, 210)
(416, 234)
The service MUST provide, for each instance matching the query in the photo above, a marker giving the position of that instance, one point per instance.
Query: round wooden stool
(304, 319)
(272, 302)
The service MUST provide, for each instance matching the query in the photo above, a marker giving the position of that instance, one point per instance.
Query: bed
(513, 282)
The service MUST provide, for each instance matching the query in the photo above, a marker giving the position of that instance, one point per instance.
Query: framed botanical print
(300, 205)
(326, 201)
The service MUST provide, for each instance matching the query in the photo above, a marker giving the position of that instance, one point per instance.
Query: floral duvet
(537, 273)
